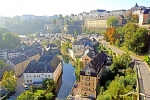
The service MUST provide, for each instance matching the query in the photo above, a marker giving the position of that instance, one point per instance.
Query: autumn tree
(9, 81)
(112, 21)
(112, 35)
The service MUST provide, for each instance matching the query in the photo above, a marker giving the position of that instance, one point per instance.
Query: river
(68, 79)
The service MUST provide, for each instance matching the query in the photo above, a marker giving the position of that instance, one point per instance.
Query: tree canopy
(137, 41)
(112, 21)
(27, 95)
(9, 81)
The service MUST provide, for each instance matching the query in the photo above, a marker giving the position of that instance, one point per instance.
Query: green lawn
(38, 92)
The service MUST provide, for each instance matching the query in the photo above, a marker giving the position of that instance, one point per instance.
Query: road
(19, 88)
(144, 81)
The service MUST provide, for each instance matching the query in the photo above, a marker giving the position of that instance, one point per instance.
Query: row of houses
(93, 63)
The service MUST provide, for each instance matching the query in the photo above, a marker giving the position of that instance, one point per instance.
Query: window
(30, 80)
(34, 76)
(45, 75)
(83, 78)
(39, 75)
(93, 84)
(30, 75)
(27, 81)
(27, 76)
(48, 75)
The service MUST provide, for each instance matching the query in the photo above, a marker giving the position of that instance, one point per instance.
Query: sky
(64, 7)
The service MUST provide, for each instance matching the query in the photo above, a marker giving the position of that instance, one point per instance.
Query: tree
(117, 43)
(54, 21)
(147, 59)
(66, 21)
(148, 21)
(112, 35)
(2, 64)
(9, 81)
(137, 41)
(49, 96)
(78, 67)
(27, 95)
(75, 33)
(11, 40)
(129, 27)
(135, 18)
(112, 21)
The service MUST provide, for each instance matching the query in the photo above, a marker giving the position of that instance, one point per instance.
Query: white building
(46, 67)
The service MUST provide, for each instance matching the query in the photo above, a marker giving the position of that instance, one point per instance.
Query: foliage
(2, 64)
(54, 21)
(112, 21)
(112, 35)
(4, 30)
(120, 33)
(65, 46)
(117, 43)
(137, 41)
(78, 67)
(9, 40)
(147, 60)
(9, 81)
(49, 83)
(148, 21)
(135, 18)
(27, 95)
(49, 96)
(129, 27)
(57, 42)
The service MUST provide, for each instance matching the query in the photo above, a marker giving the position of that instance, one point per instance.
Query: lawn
(38, 92)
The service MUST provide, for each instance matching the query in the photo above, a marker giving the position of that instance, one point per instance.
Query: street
(19, 88)
(144, 81)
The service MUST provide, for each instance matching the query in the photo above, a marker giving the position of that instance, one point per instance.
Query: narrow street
(19, 88)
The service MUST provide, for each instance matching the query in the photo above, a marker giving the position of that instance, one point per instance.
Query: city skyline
(65, 7)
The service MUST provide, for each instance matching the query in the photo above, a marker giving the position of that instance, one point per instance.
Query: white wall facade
(3, 54)
(29, 78)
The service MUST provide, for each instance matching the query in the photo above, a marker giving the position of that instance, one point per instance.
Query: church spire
(136, 5)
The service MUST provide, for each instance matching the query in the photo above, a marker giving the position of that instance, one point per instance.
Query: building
(51, 49)
(144, 16)
(101, 22)
(46, 67)
(90, 74)
(18, 64)
(96, 12)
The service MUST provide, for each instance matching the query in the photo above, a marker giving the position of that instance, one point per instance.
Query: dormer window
(88, 72)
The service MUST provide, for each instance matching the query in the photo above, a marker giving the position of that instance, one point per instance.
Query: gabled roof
(51, 45)
(46, 64)
(19, 59)
(30, 53)
(95, 65)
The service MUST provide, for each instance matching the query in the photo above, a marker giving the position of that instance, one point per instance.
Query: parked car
(71, 94)
(70, 98)
(11, 93)
(75, 85)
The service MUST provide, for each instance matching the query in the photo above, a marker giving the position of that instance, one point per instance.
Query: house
(32, 54)
(90, 74)
(100, 22)
(18, 64)
(51, 49)
(144, 16)
(87, 57)
(46, 67)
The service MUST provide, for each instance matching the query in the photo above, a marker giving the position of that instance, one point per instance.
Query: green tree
(11, 40)
(27, 95)
(129, 27)
(75, 33)
(66, 21)
(148, 21)
(54, 21)
(137, 41)
(9, 81)
(147, 59)
(78, 67)
(2, 64)
(117, 43)
(49, 96)
(112, 21)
